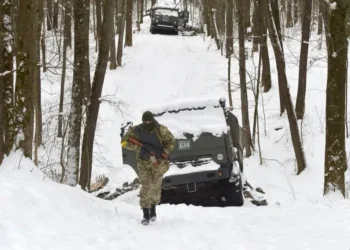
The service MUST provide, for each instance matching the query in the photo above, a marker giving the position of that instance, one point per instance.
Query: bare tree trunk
(335, 151)
(43, 43)
(221, 22)
(112, 50)
(285, 94)
(320, 18)
(325, 14)
(94, 28)
(68, 31)
(7, 79)
(87, 84)
(55, 14)
(93, 109)
(14, 20)
(121, 33)
(296, 13)
(49, 9)
(304, 50)
(207, 17)
(141, 10)
(276, 22)
(79, 77)
(246, 14)
(229, 28)
(37, 106)
(118, 14)
(242, 77)
(289, 23)
(2, 101)
(215, 32)
(26, 71)
(266, 71)
(276, 18)
(229, 81)
(67, 18)
(255, 122)
(256, 26)
(98, 19)
(128, 26)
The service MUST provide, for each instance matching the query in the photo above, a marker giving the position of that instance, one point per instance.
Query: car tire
(233, 192)
(240, 160)
(152, 30)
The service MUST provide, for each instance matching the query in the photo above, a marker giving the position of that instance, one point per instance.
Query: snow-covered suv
(206, 162)
(164, 17)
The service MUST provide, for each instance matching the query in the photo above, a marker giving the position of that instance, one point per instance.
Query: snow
(175, 170)
(37, 213)
(333, 5)
(166, 12)
(165, 4)
(211, 119)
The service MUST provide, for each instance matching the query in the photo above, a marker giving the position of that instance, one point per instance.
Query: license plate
(184, 145)
(165, 18)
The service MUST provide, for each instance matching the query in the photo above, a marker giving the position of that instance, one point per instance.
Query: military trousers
(151, 181)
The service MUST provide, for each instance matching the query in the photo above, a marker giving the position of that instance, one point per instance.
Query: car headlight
(220, 157)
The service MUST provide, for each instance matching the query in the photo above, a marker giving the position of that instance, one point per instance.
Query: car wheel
(233, 191)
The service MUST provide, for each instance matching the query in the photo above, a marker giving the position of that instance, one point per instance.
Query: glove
(165, 156)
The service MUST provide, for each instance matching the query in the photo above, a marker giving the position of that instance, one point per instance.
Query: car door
(129, 156)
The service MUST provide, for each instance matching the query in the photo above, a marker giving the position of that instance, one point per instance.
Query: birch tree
(94, 104)
(2, 143)
(7, 78)
(79, 75)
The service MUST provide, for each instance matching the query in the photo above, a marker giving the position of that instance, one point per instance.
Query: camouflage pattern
(150, 176)
(151, 182)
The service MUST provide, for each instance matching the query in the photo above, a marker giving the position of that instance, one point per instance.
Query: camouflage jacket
(166, 137)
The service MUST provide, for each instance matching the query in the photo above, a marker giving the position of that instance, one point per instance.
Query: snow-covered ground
(36, 213)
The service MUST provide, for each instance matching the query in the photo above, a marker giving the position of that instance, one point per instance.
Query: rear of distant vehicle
(164, 18)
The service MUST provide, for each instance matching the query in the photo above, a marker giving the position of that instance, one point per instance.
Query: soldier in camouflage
(156, 139)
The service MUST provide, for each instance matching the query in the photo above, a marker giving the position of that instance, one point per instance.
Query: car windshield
(166, 12)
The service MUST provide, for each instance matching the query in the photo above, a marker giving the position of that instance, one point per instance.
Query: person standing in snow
(153, 144)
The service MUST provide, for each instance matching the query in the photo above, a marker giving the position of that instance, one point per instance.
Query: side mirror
(148, 13)
(123, 127)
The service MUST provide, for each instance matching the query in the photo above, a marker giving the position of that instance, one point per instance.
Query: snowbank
(18, 167)
(37, 214)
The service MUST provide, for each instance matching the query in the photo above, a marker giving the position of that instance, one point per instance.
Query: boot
(153, 215)
(146, 216)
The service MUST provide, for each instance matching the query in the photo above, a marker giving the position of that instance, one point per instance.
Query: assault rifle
(154, 151)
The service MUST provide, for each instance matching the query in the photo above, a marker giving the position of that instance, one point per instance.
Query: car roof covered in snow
(193, 116)
(166, 5)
